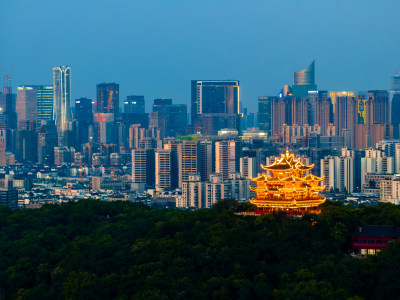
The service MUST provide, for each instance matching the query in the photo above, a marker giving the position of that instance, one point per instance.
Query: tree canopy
(121, 250)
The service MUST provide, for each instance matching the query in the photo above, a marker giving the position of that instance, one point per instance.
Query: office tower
(227, 155)
(26, 145)
(265, 113)
(207, 160)
(394, 102)
(176, 119)
(159, 103)
(108, 98)
(215, 105)
(26, 104)
(304, 81)
(188, 160)
(134, 104)
(44, 103)
(9, 197)
(47, 140)
(84, 116)
(62, 96)
(162, 168)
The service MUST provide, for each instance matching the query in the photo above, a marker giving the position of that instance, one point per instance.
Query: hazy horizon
(155, 48)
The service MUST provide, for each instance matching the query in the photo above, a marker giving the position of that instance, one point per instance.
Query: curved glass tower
(305, 76)
(304, 81)
(62, 96)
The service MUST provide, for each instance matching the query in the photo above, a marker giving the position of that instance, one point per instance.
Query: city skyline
(250, 48)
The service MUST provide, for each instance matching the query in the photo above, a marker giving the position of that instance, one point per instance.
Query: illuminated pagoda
(284, 187)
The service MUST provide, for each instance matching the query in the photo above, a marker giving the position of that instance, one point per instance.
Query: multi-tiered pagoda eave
(284, 187)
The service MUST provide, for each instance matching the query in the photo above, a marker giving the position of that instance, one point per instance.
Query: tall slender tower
(62, 96)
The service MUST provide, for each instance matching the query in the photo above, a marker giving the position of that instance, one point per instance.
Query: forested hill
(121, 250)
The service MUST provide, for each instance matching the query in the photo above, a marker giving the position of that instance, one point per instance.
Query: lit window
(363, 251)
(371, 251)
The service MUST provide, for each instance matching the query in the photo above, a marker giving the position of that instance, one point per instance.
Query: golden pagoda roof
(312, 177)
(287, 162)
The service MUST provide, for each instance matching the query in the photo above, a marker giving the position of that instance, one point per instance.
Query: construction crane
(6, 79)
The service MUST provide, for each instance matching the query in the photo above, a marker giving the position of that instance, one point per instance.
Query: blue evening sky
(155, 47)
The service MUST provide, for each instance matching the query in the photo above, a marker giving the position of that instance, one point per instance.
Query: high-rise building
(338, 173)
(335, 94)
(84, 116)
(143, 168)
(45, 102)
(215, 100)
(47, 140)
(265, 113)
(62, 97)
(304, 81)
(162, 168)
(248, 167)
(134, 104)
(159, 103)
(346, 115)
(207, 160)
(26, 104)
(227, 155)
(394, 102)
(188, 160)
(176, 119)
(108, 98)
(26, 145)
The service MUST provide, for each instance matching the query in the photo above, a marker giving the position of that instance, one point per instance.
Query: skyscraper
(265, 113)
(44, 105)
(84, 116)
(108, 98)
(394, 102)
(304, 81)
(159, 103)
(134, 104)
(62, 96)
(26, 104)
(217, 102)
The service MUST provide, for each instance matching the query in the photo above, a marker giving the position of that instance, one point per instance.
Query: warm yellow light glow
(286, 188)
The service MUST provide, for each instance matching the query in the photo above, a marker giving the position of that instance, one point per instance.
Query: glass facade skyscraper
(216, 101)
(108, 98)
(62, 96)
(45, 99)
